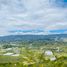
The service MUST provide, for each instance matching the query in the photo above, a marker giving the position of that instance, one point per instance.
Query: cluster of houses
(10, 52)
(50, 54)
(14, 51)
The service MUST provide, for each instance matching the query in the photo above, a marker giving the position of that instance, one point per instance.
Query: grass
(35, 57)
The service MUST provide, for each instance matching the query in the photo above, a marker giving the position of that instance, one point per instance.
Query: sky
(38, 17)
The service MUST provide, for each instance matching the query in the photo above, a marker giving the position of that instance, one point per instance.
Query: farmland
(33, 54)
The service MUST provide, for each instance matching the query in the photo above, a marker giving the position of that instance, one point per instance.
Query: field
(34, 54)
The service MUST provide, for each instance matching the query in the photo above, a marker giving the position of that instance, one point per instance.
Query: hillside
(33, 37)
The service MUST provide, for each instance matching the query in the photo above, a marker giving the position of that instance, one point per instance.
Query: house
(15, 55)
(8, 49)
(8, 54)
(53, 58)
(48, 52)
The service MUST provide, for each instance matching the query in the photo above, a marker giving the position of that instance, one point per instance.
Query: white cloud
(31, 14)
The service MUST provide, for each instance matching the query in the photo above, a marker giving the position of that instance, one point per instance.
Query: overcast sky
(33, 17)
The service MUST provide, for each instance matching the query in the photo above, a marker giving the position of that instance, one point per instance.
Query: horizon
(32, 35)
(33, 17)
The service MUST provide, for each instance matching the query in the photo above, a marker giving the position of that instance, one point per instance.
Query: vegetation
(32, 54)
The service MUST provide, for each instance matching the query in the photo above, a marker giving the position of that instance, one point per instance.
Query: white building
(48, 52)
(8, 54)
(8, 49)
(15, 55)
(11, 54)
(53, 58)
(58, 49)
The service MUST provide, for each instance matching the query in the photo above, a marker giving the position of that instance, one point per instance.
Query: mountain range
(53, 37)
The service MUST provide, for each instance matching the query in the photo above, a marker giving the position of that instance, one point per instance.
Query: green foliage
(32, 58)
(35, 57)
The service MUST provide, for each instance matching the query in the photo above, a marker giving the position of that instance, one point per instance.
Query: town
(32, 54)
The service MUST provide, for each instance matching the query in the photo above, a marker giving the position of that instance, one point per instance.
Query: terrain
(33, 50)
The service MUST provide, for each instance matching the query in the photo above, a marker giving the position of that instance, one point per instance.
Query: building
(48, 52)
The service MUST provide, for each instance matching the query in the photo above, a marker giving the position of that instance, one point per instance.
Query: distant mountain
(33, 37)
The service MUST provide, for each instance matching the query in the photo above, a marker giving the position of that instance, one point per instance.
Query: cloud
(32, 16)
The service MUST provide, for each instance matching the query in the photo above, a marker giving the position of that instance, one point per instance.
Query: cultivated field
(36, 54)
